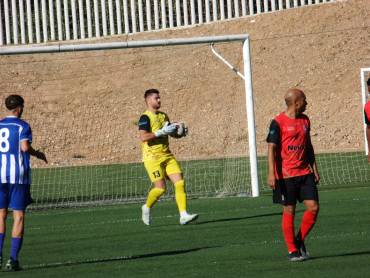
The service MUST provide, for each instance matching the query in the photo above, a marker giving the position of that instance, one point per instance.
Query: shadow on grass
(341, 255)
(237, 218)
(115, 259)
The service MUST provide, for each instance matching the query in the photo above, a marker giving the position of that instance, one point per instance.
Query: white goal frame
(56, 48)
(364, 97)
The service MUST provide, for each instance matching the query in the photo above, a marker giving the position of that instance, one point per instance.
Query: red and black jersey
(292, 139)
(367, 113)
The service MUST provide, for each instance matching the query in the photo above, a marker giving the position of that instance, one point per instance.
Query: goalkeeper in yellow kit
(159, 162)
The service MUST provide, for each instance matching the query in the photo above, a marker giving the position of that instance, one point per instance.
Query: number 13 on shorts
(156, 174)
(159, 169)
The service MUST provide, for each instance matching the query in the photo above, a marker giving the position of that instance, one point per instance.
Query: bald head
(293, 95)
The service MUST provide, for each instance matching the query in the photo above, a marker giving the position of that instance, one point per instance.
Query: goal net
(83, 108)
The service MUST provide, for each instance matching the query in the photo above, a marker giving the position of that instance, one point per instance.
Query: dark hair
(150, 92)
(14, 101)
(368, 81)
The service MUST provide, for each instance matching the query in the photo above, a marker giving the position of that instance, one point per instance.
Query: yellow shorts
(160, 168)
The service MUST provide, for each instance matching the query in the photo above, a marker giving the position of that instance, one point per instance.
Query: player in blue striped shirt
(15, 174)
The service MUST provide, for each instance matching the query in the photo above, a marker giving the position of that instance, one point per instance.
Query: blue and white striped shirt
(14, 163)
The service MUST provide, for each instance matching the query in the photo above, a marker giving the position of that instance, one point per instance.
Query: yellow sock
(180, 195)
(153, 196)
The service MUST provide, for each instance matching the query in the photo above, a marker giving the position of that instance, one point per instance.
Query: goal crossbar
(62, 47)
(57, 48)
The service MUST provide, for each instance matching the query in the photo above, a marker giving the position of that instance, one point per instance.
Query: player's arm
(146, 136)
(26, 147)
(26, 140)
(312, 159)
(368, 142)
(145, 132)
(273, 138)
(367, 121)
(271, 180)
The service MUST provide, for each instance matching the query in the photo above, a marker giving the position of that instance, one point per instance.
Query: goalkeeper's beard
(157, 106)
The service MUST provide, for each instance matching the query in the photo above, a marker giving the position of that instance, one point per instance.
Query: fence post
(273, 5)
(51, 20)
(59, 20)
(280, 5)
(236, 8)
(251, 7)
(44, 20)
(208, 12)
(186, 14)
(74, 19)
(222, 9)
(164, 14)
(15, 22)
(81, 18)
(1, 28)
(66, 20)
(148, 15)
(119, 17)
(37, 20)
(200, 12)
(126, 16)
(141, 15)
(192, 8)
(178, 13)
(170, 13)
(89, 19)
(156, 15)
(111, 17)
(259, 6)
(214, 9)
(96, 19)
(104, 17)
(22, 23)
(133, 16)
(244, 7)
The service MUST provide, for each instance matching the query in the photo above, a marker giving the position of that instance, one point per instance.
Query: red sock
(288, 231)
(308, 220)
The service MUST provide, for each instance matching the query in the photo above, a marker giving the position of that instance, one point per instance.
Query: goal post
(250, 117)
(364, 75)
(252, 184)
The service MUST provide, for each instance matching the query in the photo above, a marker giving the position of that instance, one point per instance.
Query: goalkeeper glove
(165, 130)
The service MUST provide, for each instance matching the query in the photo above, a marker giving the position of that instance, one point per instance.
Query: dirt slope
(83, 106)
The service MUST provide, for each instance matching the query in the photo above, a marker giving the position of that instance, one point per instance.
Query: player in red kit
(292, 171)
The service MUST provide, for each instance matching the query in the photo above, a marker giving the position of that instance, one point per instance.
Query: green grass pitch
(233, 237)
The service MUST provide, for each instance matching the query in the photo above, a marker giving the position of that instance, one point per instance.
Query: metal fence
(38, 21)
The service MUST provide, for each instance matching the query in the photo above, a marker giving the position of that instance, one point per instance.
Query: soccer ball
(181, 130)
